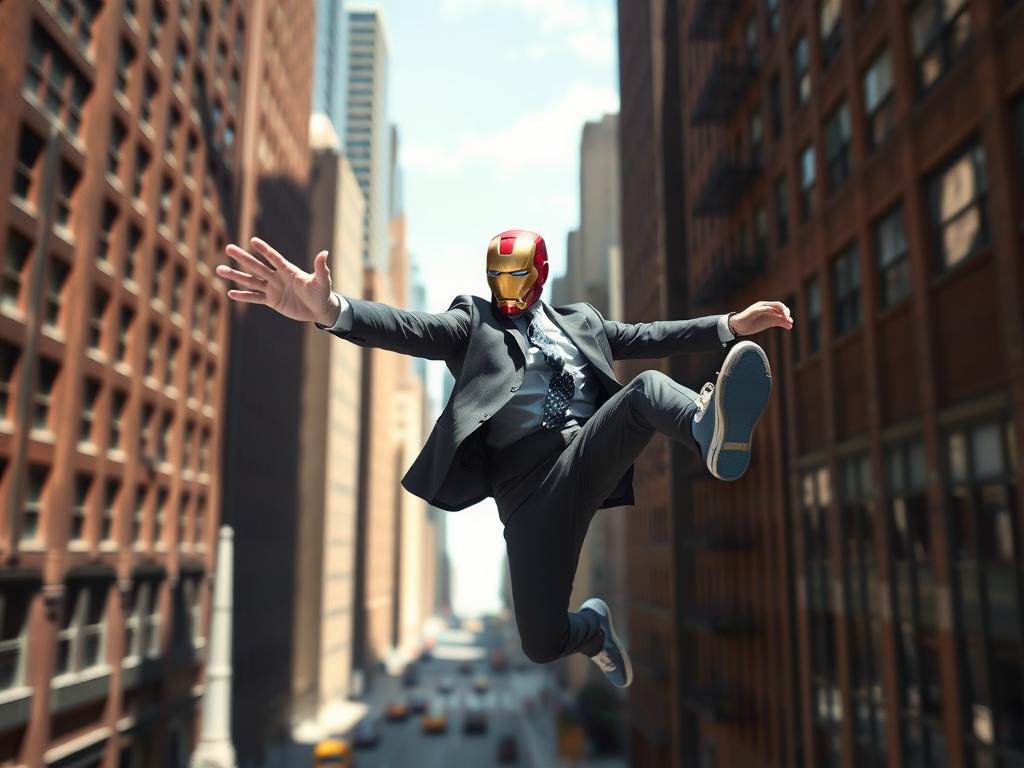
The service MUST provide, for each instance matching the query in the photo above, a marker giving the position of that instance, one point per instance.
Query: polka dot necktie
(562, 386)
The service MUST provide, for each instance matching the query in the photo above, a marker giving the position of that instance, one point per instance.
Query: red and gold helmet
(517, 266)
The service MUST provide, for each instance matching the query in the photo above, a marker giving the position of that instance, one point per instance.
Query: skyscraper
(118, 168)
(330, 63)
(367, 139)
(856, 598)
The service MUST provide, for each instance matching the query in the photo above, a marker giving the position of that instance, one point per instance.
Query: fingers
(249, 281)
(263, 248)
(249, 262)
(252, 297)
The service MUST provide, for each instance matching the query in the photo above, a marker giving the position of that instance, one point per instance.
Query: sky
(490, 98)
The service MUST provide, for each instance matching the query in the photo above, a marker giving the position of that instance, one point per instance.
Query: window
(957, 205)
(141, 165)
(53, 81)
(171, 366)
(781, 213)
(163, 447)
(56, 280)
(808, 172)
(846, 286)
(772, 11)
(756, 130)
(827, 709)
(111, 492)
(987, 569)
(90, 394)
(177, 289)
(146, 430)
(13, 276)
(30, 150)
(127, 318)
(160, 515)
(67, 182)
(8, 363)
(801, 72)
(15, 600)
(203, 32)
(159, 264)
(139, 516)
(108, 219)
(142, 625)
(32, 513)
(83, 484)
(775, 104)
(116, 415)
(166, 192)
(180, 63)
(197, 308)
(148, 97)
(204, 450)
(812, 291)
(831, 28)
(131, 253)
(879, 104)
(939, 30)
(186, 447)
(837, 147)
(125, 59)
(100, 300)
(891, 255)
(794, 337)
(156, 27)
(864, 606)
(152, 349)
(184, 216)
(199, 532)
(173, 124)
(43, 396)
(77, 16)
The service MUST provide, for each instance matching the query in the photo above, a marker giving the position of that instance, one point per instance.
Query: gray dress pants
(548, 486)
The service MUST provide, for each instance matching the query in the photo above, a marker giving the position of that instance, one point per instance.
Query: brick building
(117, 173)
(856, 598)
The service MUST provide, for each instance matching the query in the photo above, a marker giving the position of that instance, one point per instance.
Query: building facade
(262, 478)
(330, 67)
(367, 137)
(118, 176)
(329, 457)
(856, 598)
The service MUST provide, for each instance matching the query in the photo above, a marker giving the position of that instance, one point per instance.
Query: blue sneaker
(612, 659)
(728, 411)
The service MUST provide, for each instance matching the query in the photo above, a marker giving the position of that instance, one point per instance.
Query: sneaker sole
(747, 365)
(615, 639)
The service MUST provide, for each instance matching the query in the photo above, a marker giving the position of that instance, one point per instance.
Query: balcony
(718, 620)
(726, 183)
(716, 703)
(711, 18)
(730, 77)
(732, 267)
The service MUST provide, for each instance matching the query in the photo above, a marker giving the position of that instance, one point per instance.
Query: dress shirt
(523, 414)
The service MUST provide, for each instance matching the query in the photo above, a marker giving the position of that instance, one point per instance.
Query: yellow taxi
(434, 720)
(332, 753)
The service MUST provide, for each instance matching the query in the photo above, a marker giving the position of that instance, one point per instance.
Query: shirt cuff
(344, 321)
(724, 334)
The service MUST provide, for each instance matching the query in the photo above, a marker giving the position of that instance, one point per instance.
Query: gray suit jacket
(486, 354)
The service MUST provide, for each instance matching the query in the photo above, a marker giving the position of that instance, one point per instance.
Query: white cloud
(587, 25)
(548, 137)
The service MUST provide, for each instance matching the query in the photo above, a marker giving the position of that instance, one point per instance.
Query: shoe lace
(704, 398)
(604, 661)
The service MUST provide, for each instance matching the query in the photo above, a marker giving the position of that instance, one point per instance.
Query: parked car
(435, 719)
(481, 683)
(396, 710)
(332, 753)
(366, 733)
(475, 720)
(508, 749)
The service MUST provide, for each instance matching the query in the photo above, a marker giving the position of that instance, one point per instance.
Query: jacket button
(513, 388)
(486, 417)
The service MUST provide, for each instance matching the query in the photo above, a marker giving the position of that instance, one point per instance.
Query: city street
(504, 705)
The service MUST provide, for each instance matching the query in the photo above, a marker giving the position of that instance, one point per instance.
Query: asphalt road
(404, 744)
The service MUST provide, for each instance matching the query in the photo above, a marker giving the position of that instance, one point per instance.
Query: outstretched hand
(760, 317)
(282, 286)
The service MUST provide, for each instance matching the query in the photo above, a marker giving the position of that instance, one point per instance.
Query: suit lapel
(510, 327)
(575, 326)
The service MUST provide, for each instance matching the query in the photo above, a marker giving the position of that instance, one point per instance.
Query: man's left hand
(760, 317)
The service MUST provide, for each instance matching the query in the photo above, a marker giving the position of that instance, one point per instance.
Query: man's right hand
(282, 286)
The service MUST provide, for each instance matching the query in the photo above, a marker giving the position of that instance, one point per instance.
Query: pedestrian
(536, 418)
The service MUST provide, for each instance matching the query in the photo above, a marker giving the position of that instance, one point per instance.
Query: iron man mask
(517, 267)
